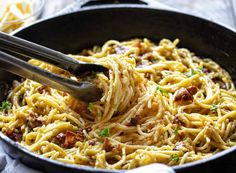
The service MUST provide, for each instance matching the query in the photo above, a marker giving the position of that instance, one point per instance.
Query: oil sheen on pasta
(160, 104)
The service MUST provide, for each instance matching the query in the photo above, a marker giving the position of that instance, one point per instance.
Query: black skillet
(95, 24)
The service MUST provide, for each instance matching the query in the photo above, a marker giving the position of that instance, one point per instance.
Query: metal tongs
(12, 47)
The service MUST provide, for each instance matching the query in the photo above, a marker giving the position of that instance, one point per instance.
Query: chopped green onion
(192, 72)
(189, 73)
(214, 107)
(162, 91)
(176, 130)
(90, 107)
(104, 133)
(175, 157)
(5, 105)
(200, 69)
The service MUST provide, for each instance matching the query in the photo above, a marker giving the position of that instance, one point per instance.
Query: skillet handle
(79, 4)
(152, 168)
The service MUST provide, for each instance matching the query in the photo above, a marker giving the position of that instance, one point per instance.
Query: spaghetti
(160, 104)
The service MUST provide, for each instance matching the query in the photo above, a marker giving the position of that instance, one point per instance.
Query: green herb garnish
(90, 107)
(200, 69)
(175, 157)
(104, 133)
(176, 130)
(214, 107)
(162, 91)
(190, 73)
(5, 105)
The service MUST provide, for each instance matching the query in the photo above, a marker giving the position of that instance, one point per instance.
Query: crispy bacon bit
(41, 89)
(92, 143)
(192, 90)
(69, 138)
(134, 121)
(149, 56)
(82, 108)
(16, 136)
(147, 75)
(107, 145)
(33, 120)
(186, 94)
(182, 135)
(183, 95)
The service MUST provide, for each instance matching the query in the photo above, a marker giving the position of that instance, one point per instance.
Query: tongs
(11, 48)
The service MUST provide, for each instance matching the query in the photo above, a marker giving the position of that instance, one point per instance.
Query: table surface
(222, 11)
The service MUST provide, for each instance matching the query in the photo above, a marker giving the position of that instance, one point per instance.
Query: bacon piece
(186, 94)
(82, 108)
(107, 145)
(183, 95)
(33, 120)
(134, 121)
(69, 138)
(16, 136)
(92, 143)
(192, 89)
(147, 75)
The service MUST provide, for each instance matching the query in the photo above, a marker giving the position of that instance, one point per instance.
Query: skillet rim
(121, 6)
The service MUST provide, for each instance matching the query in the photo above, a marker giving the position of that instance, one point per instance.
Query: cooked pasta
(160, 104)
(15, 14)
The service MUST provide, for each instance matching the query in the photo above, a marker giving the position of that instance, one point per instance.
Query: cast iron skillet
(96, 24)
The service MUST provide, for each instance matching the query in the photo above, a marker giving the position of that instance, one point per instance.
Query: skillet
(95, 24)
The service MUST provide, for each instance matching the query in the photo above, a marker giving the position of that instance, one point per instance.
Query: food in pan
(13, 14)
(160, 104)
